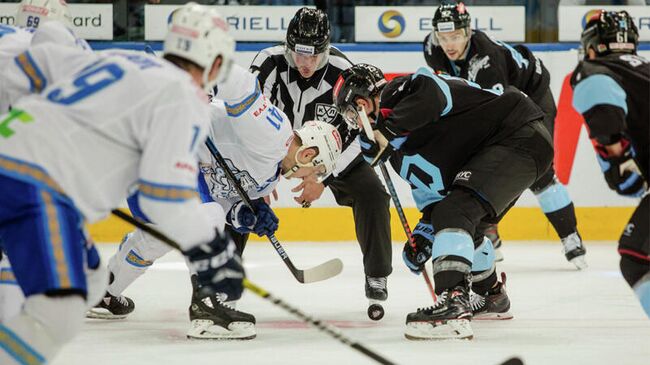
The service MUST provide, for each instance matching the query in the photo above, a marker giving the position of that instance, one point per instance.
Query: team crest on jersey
(477, 64)
(325, 112)
(220, 186)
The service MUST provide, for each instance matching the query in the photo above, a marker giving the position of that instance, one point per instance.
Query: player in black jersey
(468, 154)
(452, 48)
(611, 89)
(298, 77)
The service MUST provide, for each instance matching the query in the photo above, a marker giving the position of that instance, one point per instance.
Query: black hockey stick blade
(319, 324)
(513, 361)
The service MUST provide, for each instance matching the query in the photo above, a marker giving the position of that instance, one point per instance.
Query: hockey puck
(375, 312)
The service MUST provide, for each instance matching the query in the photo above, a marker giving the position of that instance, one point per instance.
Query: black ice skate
(112, 307)
(212, 319)
(493, 306)
(574, 250)
(449, 318)
(492, 233)
(376, 292)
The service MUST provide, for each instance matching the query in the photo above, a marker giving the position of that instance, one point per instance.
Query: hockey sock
(558, 208)
(563, 220)
(484, 286)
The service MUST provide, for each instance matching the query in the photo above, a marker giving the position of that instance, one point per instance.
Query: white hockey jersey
(250, 133)
(15, 41)
(126, 121)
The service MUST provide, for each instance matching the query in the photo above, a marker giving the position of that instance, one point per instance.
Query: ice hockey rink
(562, 316)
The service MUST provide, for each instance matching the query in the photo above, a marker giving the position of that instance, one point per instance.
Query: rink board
(601, 213)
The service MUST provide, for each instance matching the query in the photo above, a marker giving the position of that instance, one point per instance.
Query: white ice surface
(561, 316)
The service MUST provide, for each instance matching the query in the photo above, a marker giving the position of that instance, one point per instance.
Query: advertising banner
(247, 23)
(572, 19)
(413, 23)
(90, 21)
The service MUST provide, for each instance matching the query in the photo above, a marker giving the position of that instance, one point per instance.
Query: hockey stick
(319, 324)
(405, 223)
(393, 194)
(321, 272)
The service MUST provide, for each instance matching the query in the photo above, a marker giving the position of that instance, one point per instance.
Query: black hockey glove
(218, 267)
(372, 151)
(416, 257)
(621, 172)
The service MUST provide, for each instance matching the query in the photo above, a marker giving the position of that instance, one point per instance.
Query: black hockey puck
(375, 312)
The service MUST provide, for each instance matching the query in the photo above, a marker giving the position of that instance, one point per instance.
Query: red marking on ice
(295, 324)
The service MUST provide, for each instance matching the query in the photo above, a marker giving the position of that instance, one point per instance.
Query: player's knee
(141, 250)
(544, 182)
(633, 268)
(463, 211)
(61, 316)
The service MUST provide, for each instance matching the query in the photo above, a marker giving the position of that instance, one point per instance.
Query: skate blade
(492, 316)
(104, 314)
(456, 329)
(207, 330)
(579, 262)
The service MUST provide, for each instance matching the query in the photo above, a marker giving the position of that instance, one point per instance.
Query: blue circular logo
(391, 24)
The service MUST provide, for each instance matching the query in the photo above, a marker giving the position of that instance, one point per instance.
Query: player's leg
(215, 316)
(634, 248)
(11, 296)
(556, 204)
(44, 241)
(361, 189)
(489, 299)
(554, 198)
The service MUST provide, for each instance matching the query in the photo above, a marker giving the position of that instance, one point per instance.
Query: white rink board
(587, 186)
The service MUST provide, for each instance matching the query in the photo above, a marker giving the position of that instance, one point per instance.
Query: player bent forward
(468, 154)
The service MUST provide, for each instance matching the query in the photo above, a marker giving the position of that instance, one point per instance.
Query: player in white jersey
(71, 153)
(14, 40)
(256, 141)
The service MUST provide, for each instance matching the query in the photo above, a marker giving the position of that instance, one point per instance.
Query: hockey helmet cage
(610, 31)
(359, 81)
(31, 13)
(326, 139)
(200, 34)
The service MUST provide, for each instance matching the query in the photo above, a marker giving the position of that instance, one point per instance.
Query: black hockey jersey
(305, 99)
(493, 64)
(612, 93)
(446, 120)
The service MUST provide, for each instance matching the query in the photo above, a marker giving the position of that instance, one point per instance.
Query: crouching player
(468, 154)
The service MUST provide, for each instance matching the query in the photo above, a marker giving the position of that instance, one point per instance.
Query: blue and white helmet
(32, 13)
(200, 34)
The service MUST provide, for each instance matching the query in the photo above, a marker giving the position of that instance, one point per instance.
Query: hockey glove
(621, 172)
(372, 151)
(218, 267)
(416, 257)
(262, 222)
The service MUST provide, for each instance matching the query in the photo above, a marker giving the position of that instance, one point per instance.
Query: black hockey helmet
(309, 32)
(609, 31)
(449, 17)
(359, 81)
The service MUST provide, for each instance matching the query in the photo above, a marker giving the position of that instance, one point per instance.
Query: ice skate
(574, 250)
(112, 307)
(448, 318)
(212, 319)
(377, 293)
(493, 306)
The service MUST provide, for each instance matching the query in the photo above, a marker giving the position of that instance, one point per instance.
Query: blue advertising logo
(391, 24)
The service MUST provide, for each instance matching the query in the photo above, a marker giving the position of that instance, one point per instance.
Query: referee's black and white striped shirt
(306, 99)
